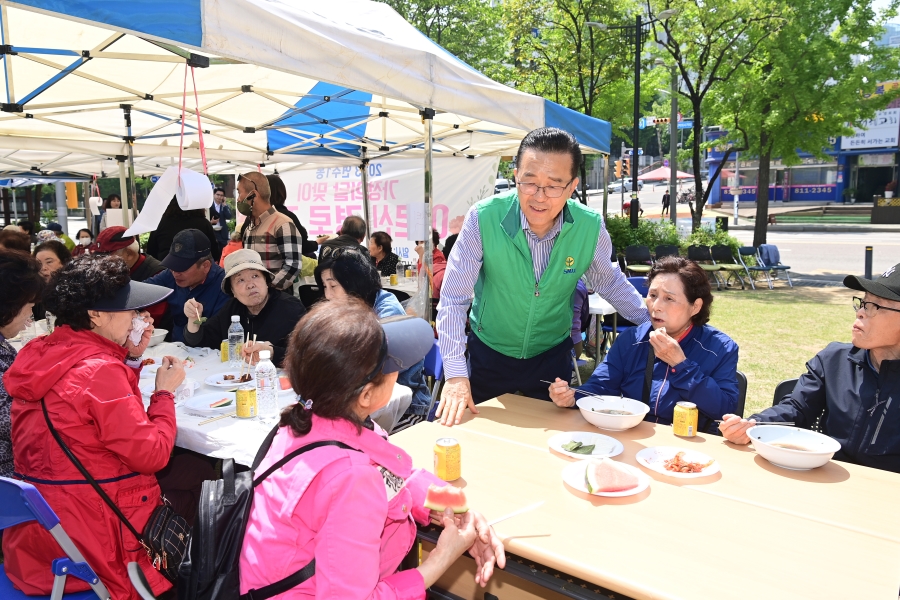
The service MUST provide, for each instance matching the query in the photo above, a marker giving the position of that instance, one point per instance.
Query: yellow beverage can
(447, 459)
(684, 421)
(409, 273)
(246, 402)
(394, 279)
(223, 350)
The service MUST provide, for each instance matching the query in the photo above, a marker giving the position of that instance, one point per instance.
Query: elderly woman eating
(83, 379)
(264, 312)
(687, 359)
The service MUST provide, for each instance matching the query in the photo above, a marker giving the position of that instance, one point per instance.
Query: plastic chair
(434, 368)
(742, 394)
(722, 256)
(703, 257)
(640, 284)
(751, 269)
(22, 503)
(783, 389)
(310, 294)
(769, 257)
(663, 251)
(638, 259)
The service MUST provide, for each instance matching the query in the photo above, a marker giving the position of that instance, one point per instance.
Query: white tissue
(138, 325)
(192, 189)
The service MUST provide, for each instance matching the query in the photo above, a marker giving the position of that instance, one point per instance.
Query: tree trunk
(762, 191)
(697, 212)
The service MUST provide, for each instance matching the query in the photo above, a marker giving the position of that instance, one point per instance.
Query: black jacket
(860, 407)
(273, 324)
(341, 241)
(147, 269)
(161, 239)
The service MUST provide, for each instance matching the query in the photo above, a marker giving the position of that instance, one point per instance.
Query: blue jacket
(853, 403)
(387, 305)
(209, 294)
(707, 377)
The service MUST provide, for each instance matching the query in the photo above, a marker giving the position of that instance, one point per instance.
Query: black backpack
(210, 569)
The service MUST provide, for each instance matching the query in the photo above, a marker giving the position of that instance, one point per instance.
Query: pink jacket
(344, 508)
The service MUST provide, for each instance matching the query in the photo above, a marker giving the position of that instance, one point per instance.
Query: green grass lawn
(777, 331)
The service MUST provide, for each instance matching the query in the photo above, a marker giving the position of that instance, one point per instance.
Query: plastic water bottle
(266, 390)
(235, 340)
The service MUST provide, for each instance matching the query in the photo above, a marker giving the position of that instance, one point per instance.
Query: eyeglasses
(551, 191)
(870, 308)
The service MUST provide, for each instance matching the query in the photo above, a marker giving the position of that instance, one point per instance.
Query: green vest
(512, 313)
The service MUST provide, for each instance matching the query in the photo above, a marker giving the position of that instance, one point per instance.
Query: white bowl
(589, 405)
(821, 447)
(159, 336)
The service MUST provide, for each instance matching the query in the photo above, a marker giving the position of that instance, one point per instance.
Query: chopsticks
(225, 416)
(516, 514)
(766, 423)
(576, 390)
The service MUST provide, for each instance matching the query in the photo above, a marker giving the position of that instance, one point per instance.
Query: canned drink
(246, 402)
(447, 459)
(408, 273)
(684, 422)
(223, 350)
(394, 279)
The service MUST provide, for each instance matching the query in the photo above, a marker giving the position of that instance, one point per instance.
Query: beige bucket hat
(241, 260)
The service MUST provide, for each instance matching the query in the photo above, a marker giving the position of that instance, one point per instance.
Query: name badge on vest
(570, 266)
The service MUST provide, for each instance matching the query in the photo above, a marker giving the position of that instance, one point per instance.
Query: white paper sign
(878, 132)
(323, 197)
(415, 212)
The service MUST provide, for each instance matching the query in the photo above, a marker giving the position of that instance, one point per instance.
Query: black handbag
(166, 534)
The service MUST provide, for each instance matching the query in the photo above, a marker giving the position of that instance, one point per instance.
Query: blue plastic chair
(434, 367)
(21, 502)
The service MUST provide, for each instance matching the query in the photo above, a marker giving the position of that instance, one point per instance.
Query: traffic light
(661, 121)
(626, 164)
(618, 169)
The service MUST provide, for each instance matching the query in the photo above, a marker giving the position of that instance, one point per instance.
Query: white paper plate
(603, 444)
(150, 370)
(200, 404)
(654, 458)
(573, 475)
(147, 387)
(218, 381)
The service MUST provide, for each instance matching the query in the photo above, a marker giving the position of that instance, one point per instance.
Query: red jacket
(94, 402)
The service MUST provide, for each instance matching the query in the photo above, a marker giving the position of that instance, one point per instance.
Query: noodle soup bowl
(593, 410)
(792, 447)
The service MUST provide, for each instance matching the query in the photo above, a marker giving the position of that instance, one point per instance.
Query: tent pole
(15, 205)
(605, 183)
(62, 210)
(132, 191)
(427, 121)
(123, 191)
(583, 181)
(364, 167)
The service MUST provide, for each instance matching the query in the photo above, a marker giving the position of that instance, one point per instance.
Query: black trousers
(494, 373)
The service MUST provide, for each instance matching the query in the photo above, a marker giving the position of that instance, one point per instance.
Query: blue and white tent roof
(278, 81)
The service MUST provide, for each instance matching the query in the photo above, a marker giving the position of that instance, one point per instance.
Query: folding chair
(662, 251)
(722, 256)
(21, 503)
(751, 269)
(703, 257)
(638, 259)
(784, 389)
(434, 368)
(770, 258)
(742, 394)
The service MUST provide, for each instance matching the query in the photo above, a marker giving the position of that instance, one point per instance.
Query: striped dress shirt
(464, 265)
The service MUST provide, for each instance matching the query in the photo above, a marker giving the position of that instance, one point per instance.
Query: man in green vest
(517, 260)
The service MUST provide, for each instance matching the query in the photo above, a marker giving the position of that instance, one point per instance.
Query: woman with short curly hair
(83, 378)
(20, 287)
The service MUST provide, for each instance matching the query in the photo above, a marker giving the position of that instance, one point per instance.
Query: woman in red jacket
(86, 372)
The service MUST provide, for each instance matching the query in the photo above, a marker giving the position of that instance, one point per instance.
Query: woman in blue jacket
(692, 361)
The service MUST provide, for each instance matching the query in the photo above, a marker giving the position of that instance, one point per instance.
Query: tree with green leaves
(709, 42)
(807, 84)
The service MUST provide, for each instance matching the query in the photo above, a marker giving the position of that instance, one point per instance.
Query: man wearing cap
(849, 390)
(111, 241)
(517, 261)
(270, 233)
(58, 230)
(192, 274)
(267, 314)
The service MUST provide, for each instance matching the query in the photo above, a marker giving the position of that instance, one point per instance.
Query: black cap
(887, 286)
(133, 296)
(54, 226)
(187, 248)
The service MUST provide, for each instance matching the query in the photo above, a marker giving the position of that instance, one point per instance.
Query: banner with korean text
(323, 197)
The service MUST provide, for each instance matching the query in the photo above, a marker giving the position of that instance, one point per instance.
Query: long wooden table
(751, 531)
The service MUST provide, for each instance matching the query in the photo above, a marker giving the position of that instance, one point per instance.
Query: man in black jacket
(353, 232)
(850, 388)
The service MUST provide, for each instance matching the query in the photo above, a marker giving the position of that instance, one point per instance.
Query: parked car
(617, 185)
(502, 185)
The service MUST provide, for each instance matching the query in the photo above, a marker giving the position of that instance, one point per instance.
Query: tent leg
(364, 167)
(62, 210)
(123, 191)
(132, 191)
(583, 181)
(15, 205)
(605, 183)
(427, 118)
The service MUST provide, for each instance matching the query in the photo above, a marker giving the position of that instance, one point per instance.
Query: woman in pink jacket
(351, 511)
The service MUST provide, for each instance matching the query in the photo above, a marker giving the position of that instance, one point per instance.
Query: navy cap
(188, 247)
(133, 296)
(54, 226)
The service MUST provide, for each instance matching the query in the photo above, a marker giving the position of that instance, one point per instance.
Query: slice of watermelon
(220, 403)
(448, 496)
(285, 383)
(606, 475)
